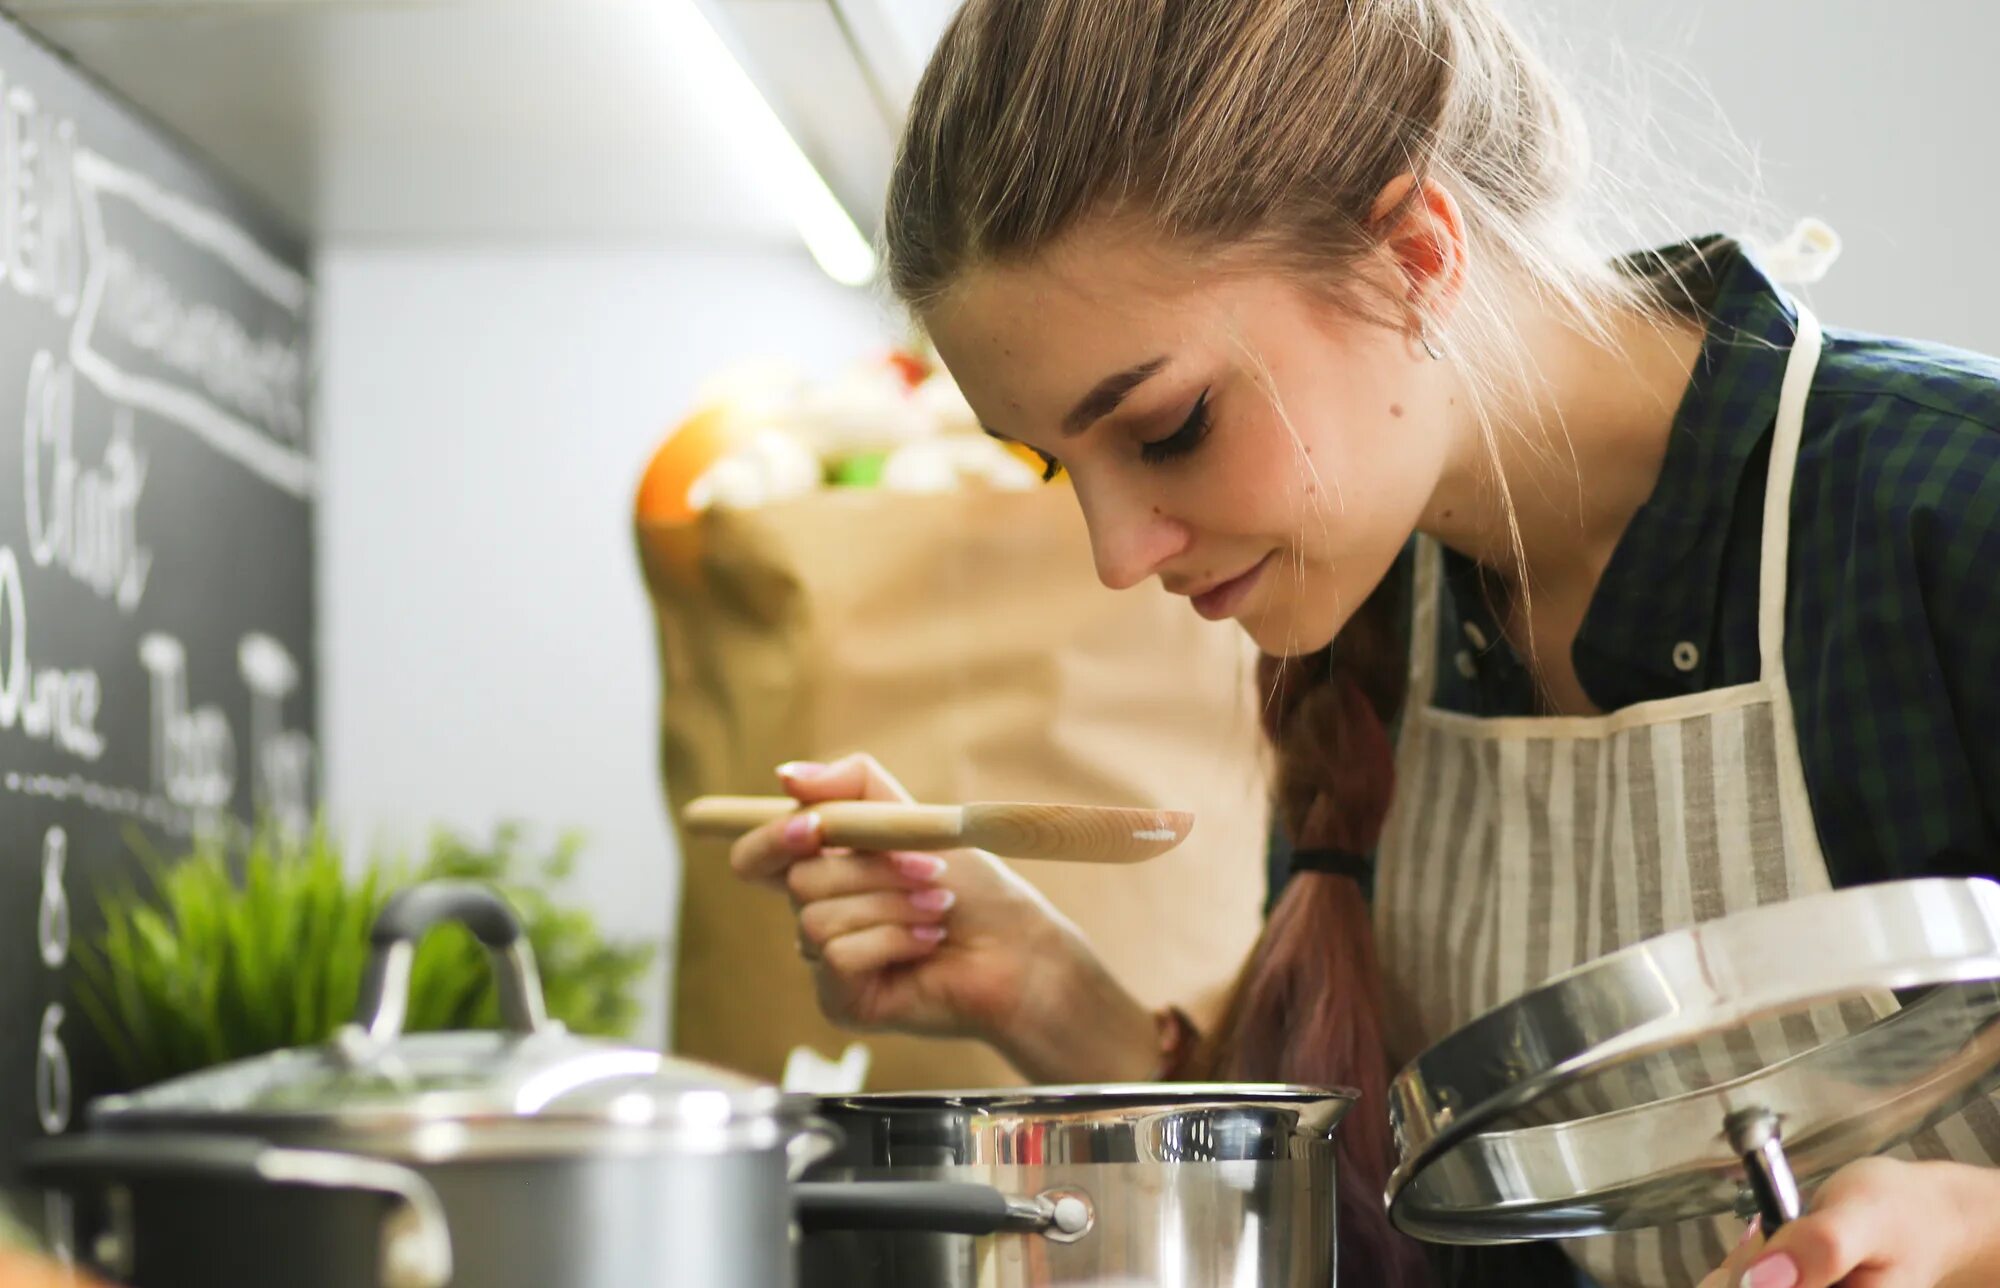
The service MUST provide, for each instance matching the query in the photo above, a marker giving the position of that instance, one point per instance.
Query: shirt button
(1475, 636)
(1466, 666)
(1686, 657)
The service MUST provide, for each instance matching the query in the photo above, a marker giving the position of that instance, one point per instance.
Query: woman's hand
(1883, 1223)
(950, 945)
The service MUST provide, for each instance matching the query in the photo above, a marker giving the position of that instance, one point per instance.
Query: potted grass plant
(223, 955)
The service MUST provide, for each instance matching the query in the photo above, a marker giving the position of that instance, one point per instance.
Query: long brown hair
(1262, 132)
(1307, 1007)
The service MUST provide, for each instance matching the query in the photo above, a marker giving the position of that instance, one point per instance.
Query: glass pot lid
(1709, 1070)
(372, 1077)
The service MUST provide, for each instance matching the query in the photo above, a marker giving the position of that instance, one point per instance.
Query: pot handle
(416, 1242)
(940, 1207)
(410, 915)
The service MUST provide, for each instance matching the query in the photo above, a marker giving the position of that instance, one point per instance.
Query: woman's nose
(1130, 539)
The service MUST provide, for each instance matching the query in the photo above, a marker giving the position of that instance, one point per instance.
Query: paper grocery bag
(964, 640)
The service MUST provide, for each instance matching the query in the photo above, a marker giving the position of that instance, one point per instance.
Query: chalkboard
(156, 506)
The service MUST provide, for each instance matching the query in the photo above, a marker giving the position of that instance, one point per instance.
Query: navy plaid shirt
(1892, 635)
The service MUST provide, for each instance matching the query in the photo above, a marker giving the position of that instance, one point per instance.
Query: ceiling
(458, 120)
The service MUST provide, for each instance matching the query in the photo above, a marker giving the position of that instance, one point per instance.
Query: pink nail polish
(1749, 1232)
(932, 899)
(927, 934)
(802, 831)
(919, 867)
(804, 770)
(1773, 1272)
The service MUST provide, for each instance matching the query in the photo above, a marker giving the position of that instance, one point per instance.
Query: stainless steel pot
(1183, 1185)
(523, 1159)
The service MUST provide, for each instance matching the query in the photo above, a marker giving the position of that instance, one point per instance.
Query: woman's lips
(1222, 600)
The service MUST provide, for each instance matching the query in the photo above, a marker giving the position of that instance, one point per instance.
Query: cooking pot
(527, 1157)
(1185, 1184)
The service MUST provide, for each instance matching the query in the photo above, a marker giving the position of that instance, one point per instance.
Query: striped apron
(1521, 847)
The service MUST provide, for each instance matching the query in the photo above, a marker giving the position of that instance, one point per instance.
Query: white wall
(1876, 117)
(483, 416)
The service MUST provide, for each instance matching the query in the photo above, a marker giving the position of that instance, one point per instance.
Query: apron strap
(1428, 581)
(1785, 437)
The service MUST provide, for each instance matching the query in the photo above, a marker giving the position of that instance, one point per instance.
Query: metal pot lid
(1710, 1070)
(354, 1082)
(374, 1080)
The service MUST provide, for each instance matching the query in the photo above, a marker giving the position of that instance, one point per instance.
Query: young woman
(1295, 293)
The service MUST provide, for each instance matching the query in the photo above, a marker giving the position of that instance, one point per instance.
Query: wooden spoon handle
(862, 825)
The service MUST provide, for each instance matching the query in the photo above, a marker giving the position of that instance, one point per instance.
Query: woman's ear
(1422, 233)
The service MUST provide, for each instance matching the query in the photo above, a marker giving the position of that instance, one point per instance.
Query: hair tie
(1339, 863)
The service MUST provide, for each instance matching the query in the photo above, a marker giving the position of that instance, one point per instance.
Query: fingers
(829, 919)
(1730, 1273)
(1816, 1251)
(879, 947)
(860, 912)
(1860, 1231)
(830, 876)
(851, 778)
(763, 854)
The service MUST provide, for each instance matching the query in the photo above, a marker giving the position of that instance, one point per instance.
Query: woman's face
(1253, 448)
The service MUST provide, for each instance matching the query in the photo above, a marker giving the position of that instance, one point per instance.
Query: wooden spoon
(1073, 833)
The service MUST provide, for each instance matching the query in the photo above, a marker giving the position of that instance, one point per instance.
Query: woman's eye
(1181, 441)
(1051, 467)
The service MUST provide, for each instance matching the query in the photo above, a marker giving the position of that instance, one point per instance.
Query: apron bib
(1521, 847)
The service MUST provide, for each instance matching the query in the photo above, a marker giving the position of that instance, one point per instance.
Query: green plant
(14, 1233)
(231, 955)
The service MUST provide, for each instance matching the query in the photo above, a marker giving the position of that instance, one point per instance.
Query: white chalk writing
(41, 252)
(52, 704)
(280, 758)
(52, 922)
(194, 753)
(82, 517)
(52, 1082)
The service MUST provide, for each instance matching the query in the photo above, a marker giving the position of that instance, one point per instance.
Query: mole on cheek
(1396, 410)
(1156, 509)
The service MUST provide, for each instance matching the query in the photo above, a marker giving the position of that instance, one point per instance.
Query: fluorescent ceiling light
(836, 244)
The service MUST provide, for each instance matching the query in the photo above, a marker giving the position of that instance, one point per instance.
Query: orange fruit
(23, 1270)
(695, 444)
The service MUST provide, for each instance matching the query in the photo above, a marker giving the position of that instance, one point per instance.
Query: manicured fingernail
(800, 769)
(802, 830)
(933, 899)
(1773, 1272)
(919, 867)
(1749, 1232)
(927, 934)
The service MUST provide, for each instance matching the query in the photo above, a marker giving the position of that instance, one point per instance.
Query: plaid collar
(1664, 583)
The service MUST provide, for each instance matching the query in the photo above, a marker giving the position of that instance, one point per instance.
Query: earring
(1430, 346)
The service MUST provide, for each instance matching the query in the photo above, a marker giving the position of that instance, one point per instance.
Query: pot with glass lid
(529, 1157)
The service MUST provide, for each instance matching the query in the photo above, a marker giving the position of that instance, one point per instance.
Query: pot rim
(1136, 1095)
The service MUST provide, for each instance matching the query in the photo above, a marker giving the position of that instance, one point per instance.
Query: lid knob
(410, 915)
